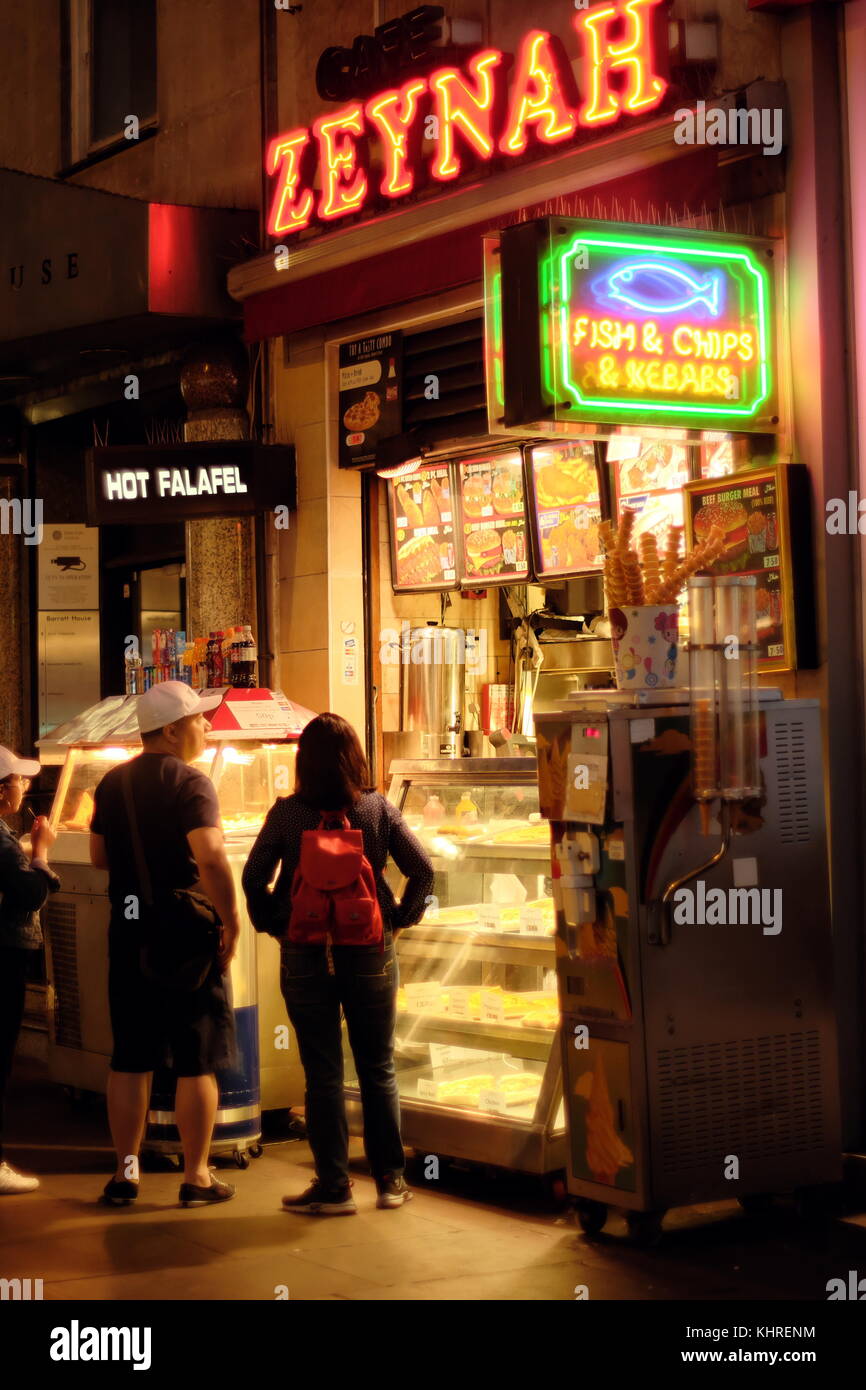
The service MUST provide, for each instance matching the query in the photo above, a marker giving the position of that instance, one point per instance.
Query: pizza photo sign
(370, 396)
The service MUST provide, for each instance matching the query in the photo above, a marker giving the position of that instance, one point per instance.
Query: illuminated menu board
(751, 510)
(661, 325)
(566, 508)
(420, 509)
(650, 483)
(493, 528)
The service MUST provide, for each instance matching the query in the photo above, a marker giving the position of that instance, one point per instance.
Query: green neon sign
(644, 326)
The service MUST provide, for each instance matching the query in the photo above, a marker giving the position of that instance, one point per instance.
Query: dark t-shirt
(171, 799)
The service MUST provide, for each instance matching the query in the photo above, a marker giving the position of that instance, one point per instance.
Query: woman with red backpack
(337, 919)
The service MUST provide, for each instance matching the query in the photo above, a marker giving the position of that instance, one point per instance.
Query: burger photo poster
(493, 525)
(566, 508)
(421, 514)
(750, 508)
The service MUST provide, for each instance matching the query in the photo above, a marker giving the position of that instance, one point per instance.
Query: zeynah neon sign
(648, 326)
(323, 172)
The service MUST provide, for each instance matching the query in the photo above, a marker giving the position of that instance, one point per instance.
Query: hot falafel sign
(662, 325)
(370, 408)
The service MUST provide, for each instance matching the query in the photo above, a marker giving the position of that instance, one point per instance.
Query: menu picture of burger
(493, 523)
(751, 510)
(567, 508)
(422, 530)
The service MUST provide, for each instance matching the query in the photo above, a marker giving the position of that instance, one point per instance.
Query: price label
(492, 1102)
(458, 1004)
(444, 1055)
(427, 1089)
(492, 1007)
(489, 916)
(532, 920)
(424, 998)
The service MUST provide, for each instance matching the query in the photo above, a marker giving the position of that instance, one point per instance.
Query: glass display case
(249, 773)
(477, 1054)
(248, 776)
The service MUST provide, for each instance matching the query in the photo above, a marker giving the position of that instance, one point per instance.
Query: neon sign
(470, 115)
(653, 325)
(589, 324)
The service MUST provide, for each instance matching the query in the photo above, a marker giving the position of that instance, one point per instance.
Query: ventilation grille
(753, 1097)
(455, 357)
(58, 920)
(791, 783)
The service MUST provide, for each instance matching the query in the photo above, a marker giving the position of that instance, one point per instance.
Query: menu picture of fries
(566, 506)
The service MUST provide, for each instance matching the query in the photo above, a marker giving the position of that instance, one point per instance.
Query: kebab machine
(693, 932)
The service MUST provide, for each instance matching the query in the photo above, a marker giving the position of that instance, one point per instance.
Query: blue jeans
(364, 983)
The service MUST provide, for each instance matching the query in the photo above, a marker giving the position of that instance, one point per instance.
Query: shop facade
(412, 271)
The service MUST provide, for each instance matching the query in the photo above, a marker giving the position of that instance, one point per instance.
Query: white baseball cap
(171, 700)
(10, 765)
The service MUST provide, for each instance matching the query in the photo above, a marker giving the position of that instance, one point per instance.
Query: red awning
(453, 259)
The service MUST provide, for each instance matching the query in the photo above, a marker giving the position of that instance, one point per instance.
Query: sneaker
(12, 1181)
(192, 1196)
(393, 1192)
(119, 1193)
(320, 1201)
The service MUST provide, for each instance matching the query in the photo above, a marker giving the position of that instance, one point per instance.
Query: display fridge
(250, 759)
(478, 1068)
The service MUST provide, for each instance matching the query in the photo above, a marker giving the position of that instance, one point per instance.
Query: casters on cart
(255, 1151)
(241, 1159)
(591, 1216)
(645, 1227)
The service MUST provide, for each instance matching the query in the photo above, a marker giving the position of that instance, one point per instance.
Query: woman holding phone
(333, 787)
(24, 885)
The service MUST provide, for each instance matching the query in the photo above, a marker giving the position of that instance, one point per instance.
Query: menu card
(649, 483)
(422, 530)
(493, 523)
(752, 517)
(566, 505)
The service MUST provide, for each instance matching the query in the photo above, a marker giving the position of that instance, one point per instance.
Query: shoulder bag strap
(137, 847)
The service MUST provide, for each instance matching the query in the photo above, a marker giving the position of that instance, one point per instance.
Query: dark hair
(331, 771)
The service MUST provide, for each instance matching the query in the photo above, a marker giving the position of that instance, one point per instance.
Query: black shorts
(192, 1033)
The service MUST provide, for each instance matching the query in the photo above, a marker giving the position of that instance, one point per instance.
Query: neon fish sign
(657, 287)
(323, 172)
(662, 325)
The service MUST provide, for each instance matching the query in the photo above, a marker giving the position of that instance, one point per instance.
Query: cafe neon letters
(476, 116)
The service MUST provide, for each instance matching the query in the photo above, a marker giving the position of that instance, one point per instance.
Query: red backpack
(334, 889)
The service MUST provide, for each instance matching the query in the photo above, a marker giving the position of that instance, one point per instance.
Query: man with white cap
(24, 886)
(171, 809)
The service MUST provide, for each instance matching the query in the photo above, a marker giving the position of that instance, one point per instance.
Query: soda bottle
(244, 665)
(210, 671)
(134, 670)
(218, 658)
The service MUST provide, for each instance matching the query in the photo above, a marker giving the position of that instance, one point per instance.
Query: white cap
(10, 765)
(171, 700)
